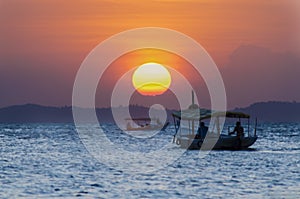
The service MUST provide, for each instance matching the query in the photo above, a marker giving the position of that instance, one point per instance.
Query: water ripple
(49, 160)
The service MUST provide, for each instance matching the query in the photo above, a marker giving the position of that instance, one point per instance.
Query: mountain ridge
(271, 111)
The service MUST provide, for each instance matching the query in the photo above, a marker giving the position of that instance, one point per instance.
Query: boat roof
(229, 114)
(138, 119)
(201, 114)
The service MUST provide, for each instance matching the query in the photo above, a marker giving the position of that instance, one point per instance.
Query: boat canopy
(138, 119)
(201, 114)
(192, 114)
(229, 114)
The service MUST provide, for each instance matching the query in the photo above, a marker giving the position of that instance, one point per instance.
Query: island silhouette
(271, 111)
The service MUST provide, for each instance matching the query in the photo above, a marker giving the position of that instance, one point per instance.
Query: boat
(187, 133)
(145, 124)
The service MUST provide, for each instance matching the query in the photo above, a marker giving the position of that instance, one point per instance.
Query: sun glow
(151, 79)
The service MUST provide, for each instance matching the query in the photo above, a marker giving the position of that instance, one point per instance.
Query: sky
(254, 43)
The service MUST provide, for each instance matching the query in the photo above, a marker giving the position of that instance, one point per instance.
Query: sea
(53, 161)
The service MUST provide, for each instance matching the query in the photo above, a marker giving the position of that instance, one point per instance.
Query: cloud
(259, 74)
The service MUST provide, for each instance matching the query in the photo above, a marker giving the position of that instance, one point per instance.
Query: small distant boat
(145, 124)
(187, 135)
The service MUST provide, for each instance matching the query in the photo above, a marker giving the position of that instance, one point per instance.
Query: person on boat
(239, 134)
(158, 122)
(238, 129)
(202, 130)
(128, 126)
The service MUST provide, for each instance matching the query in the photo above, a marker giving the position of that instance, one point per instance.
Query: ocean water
(50, 160)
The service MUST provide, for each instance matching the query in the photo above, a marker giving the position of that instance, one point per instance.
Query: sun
(151, 79)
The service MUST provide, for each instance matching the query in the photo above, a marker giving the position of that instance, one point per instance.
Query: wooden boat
(187, 134)
(145, 124)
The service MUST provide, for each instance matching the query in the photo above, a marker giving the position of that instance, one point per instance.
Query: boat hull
(224, 142)
(149, 128)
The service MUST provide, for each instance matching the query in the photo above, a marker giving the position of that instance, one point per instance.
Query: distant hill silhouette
(274, 111)
(35, 113)
(32, 113)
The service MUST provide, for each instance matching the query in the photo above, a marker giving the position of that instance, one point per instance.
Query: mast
(193, 105)
(193, 98)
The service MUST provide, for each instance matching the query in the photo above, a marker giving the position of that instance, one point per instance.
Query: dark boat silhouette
(145, 124)
(187, 134)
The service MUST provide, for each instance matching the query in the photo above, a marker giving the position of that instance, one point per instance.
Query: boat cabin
(191, 132)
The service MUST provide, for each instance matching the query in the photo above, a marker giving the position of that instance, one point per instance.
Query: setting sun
(151, 79)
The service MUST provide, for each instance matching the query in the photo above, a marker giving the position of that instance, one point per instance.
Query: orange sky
(46, 40)
(220, 26)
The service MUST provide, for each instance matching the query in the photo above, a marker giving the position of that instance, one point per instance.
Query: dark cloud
(259, 74)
